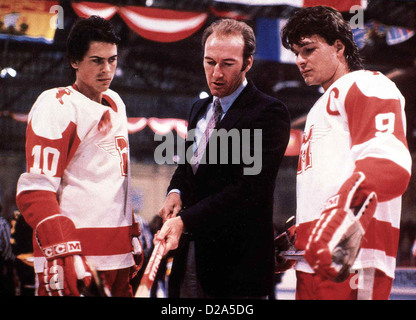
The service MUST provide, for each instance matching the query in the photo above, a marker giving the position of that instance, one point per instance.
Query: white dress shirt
(202, 123)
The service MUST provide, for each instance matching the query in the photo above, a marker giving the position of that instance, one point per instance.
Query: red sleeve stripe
(371, 116)
(383, 176)
(384, 147)
(380, 235)
(37, 205)
(67, 145)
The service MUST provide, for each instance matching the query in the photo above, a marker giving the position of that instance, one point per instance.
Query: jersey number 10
(50, 160)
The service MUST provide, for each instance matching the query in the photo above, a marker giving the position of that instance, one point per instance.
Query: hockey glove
(284, 243)
(336, 237)
(66, 272)
(136, 249)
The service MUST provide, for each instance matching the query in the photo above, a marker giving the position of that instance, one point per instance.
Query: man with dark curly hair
(354, 165)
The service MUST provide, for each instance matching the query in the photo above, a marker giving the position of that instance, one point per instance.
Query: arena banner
(87, 9)
(341, 5)
(162, 25)
(28, 20)
(393, 35)
(154, 24)
(270, 48)
(232, 14)
(269, 45)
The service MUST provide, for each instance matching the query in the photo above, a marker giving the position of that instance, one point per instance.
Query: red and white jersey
(77, 154)
(358, 124)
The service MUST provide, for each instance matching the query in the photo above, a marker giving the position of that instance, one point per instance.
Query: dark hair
(84, 31)
(233, 27)
(327, 23)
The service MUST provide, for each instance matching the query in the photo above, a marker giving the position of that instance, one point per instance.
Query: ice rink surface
(404, 285)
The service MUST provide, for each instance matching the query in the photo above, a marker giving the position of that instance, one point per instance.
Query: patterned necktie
(197, 156)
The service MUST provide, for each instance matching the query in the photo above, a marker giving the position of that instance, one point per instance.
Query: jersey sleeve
(51, 141)
(377, 124)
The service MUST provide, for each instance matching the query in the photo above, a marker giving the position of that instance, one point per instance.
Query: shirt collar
(227, 101)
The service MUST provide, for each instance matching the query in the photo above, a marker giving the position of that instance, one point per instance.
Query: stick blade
(143, 291)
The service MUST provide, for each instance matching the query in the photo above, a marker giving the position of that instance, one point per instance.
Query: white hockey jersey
(77, 154)
(358, 124)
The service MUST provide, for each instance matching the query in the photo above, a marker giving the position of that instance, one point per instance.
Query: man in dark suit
(218, 212)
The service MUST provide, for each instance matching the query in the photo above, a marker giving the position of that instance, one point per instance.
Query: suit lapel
(232, 116)
(236, 109)
(196, 113)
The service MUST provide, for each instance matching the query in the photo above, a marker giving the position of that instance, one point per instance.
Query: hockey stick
(97, 288)
(143, 291)
(292, 254)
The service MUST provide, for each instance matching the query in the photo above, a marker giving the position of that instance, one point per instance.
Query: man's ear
(247, 64)
(74, 64)
(339, 46)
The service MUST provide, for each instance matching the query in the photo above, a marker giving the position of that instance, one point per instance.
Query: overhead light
(119, 72)
(203, 95)
(286, 84)
(8, 71)
(149, 3)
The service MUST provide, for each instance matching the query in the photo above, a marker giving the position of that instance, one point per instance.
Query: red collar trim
(107, 101)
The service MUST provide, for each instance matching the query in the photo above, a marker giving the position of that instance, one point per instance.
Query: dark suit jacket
(227, 213)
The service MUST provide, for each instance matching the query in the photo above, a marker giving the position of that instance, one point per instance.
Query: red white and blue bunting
(155, 24)
(165, 25)
(163, 126)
